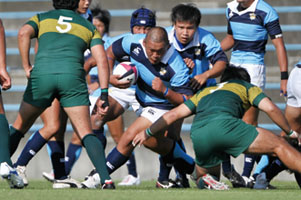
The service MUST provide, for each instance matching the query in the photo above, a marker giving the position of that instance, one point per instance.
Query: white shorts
(152, 114)
(257, 73)
(294, 88)
(125, 97)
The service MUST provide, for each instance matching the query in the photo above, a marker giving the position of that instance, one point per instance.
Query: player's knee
(51, 128)
(281, 146)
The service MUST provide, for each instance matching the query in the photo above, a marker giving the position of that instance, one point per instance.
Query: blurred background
(14, 13)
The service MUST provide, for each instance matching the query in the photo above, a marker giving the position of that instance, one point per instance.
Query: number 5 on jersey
(64, 21)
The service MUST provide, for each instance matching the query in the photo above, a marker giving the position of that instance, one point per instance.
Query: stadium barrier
(185, 127)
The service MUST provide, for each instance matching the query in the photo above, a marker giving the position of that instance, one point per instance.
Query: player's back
(63, 37)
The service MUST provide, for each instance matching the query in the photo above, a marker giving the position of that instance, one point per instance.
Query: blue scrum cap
(143, 17)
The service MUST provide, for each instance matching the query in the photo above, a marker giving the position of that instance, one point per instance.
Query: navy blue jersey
(171, 70)
(204, 50)
(250, 29)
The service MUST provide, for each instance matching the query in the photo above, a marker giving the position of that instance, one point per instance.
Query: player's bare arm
(283, 63)
(5, 80)
(24, 36)
(114, 79)
(172, 96)
(162, 123)
(227, 43)
(199, 80)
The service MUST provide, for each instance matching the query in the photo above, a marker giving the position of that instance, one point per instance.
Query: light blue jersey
(204, 50)
(250, 29)
(171, 70)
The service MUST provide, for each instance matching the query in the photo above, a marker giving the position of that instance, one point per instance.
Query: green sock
(15, 138)
(97, 156)
(4, 141)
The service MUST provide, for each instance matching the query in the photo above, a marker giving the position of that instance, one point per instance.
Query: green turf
(41, 190)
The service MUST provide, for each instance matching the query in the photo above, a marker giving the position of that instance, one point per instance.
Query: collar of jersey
(233, 7)
(195, 42)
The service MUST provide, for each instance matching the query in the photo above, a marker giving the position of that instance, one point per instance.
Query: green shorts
(69, 89)
(216, 140)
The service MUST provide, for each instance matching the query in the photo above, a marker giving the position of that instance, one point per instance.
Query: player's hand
(283, 88)
(295, 135)
(198, 81)
(190, 64)
(5, 80)
(101, 110)
(158, 85)
(140, 138)
(114, 80)
(28, 70)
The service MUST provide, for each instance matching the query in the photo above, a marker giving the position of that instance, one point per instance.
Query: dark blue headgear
(143, 17)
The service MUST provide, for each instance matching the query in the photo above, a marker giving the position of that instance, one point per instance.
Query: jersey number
(64, 21)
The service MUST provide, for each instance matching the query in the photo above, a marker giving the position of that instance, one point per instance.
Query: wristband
(106, 90)
(148, 132)
(284, 75)
(184, 98)
(166, 91)
(292, 133)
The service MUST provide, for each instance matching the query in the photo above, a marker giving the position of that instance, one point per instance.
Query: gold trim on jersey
(236, 88)
(49, 25)
(35, 19)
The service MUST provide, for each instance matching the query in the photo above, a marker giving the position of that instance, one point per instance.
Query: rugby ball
(127, 71)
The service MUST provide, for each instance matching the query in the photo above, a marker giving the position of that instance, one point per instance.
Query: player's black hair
(186, 12)
(102, 15)
(65, 4)
(232, 72)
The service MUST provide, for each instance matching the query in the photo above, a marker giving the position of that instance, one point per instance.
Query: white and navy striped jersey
(204, 50)
(171, 70)
(250, 29)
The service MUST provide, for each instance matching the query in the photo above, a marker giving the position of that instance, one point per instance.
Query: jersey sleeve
(213, 50)
(255, 95)
(192, 103)
(96, 39)
(34, 22)
(271, 22)
(121, 47)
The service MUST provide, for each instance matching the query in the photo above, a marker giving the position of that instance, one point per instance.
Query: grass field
(42, 190)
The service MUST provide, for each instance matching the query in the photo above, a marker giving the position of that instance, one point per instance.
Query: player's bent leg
(116, 128)
(26, 117)
(124, 145)
(171, 152)
(268, 143)
(121, 153)
(115, 110)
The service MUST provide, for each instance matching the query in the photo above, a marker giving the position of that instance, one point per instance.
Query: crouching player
(218, 131)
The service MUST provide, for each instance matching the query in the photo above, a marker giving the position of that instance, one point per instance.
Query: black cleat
(182, 182)
(235, 178)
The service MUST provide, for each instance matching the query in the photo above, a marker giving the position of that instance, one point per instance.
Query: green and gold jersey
(226, 100)
(63, 36)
